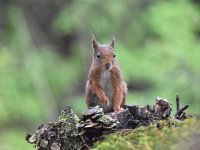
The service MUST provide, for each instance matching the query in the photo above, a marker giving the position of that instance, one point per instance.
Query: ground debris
(72, 133)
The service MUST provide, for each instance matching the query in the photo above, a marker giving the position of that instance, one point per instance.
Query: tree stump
(72, 133)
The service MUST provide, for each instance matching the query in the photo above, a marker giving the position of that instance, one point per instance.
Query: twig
(180, 111)
(177, 103)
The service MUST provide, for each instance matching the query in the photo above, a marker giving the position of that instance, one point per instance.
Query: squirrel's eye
(114, 55)
(98, 55)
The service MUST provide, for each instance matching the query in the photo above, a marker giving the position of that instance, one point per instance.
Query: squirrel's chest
(106, 83)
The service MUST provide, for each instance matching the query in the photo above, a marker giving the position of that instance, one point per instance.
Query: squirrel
(105, 86)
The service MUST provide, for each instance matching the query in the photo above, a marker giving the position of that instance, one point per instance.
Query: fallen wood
(70, 132)
(177, 103)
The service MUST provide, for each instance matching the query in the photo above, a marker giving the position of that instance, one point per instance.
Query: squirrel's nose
(108, 66)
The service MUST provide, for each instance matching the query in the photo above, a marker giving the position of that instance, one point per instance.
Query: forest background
(45, 55)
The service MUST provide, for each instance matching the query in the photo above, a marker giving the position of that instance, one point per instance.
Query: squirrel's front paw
(117, 109)
(105, 100)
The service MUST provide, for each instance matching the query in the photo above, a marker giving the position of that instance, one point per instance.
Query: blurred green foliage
(157, 46)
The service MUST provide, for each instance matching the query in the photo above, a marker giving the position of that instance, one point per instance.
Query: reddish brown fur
(105, 86)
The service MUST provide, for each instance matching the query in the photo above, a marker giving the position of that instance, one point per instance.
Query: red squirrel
(105, 86)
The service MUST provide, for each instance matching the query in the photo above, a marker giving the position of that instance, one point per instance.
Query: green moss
(151, 138)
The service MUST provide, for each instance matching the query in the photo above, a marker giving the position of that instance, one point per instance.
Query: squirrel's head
(104, 55)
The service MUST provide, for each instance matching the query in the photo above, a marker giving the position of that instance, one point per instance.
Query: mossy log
(72, 133)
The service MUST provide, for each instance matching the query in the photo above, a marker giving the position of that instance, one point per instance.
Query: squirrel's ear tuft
(113, 42)
(95, 45)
